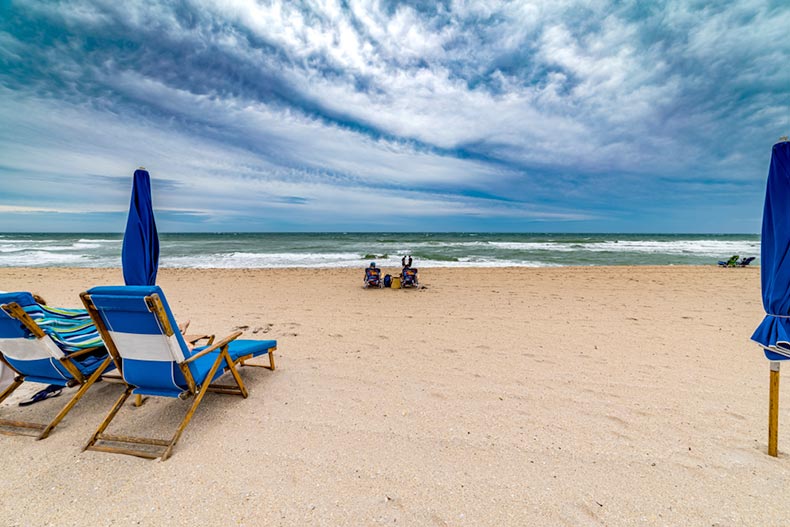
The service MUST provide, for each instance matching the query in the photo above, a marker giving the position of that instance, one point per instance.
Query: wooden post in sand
(773, 410)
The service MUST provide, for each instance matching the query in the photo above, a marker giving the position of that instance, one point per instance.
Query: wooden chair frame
(38, 430)
(165, 446)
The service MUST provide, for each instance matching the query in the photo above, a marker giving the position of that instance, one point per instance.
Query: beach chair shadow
(35, 356)
(141, 334)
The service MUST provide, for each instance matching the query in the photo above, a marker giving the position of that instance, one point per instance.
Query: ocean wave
(31, 240)
(264, 260)
(713, 248)
(329, 260)
(12, 249)
(51, 248)
(40, 259)
(355, 251)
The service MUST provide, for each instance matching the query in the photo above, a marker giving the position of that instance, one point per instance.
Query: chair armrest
(217, 345)
(192, 339)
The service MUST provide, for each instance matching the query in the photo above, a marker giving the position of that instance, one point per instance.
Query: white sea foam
(11, 240)
(40, 259)
(697, 247)
(85, 246)
(12, 248)
(327, 260)
(711, 248)
(264, 260)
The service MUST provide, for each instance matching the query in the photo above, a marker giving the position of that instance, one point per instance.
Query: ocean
(317, 250)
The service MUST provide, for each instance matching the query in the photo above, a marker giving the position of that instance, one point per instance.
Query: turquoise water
(272, 250)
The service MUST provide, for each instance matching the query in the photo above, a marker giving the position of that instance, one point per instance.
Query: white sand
(575, 396)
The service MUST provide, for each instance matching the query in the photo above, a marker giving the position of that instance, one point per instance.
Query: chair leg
(10, 389)
(169, 445)
(191, 411)
(17, 427)
(236, 377)
(77, 396)
(243, 361)
(104, 424)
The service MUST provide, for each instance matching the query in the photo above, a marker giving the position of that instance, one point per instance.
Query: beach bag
(387, 280)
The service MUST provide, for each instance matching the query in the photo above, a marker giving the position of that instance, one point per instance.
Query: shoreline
(353, 250)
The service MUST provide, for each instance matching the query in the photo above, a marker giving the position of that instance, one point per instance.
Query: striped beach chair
(141, 334)
(51, 346)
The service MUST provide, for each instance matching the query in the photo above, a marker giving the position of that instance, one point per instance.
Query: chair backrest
(71, 329)
(37, 357)
(747, 261)
(409, 273)
(372, 273)
(147, 341)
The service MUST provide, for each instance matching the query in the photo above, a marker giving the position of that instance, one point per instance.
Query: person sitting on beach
(372, 276)
(408, 274)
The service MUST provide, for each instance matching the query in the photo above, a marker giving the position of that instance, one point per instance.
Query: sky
(362, 115)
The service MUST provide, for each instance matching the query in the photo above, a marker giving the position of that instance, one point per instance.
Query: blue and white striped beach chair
(51, 346)
(141, 334)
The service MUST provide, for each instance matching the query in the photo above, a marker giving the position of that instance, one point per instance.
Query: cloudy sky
(536, 116)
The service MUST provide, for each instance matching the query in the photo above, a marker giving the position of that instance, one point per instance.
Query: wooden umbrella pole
(773, 410)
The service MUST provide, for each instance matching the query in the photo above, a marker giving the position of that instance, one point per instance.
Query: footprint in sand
(265, 329)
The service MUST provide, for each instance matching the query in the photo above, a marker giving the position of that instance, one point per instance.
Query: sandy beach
(514, 396)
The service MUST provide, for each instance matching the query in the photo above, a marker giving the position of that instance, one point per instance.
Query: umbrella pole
(773, 410)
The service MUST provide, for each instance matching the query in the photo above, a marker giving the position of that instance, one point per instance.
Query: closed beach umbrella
(140, 252)
(773, 334)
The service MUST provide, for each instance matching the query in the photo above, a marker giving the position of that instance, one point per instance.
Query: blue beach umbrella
(140, 252)
(773, 333)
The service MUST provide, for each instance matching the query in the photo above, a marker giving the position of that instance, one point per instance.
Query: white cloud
(350, 176)
(367, 102)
